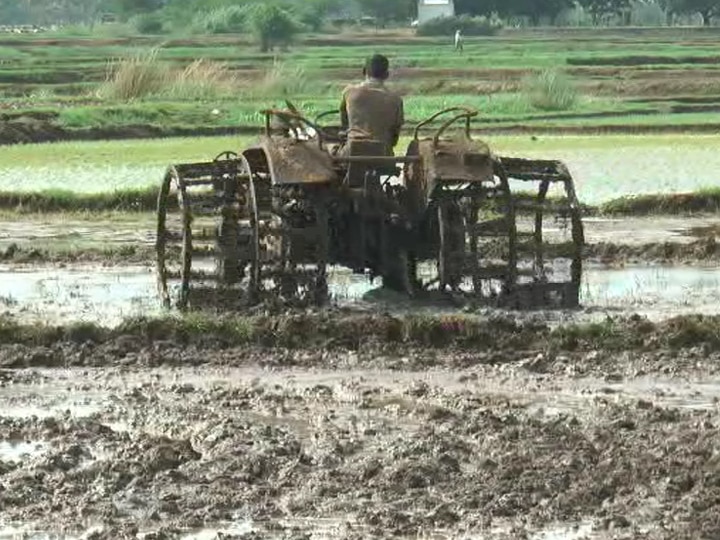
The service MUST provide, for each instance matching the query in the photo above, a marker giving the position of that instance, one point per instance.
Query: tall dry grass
(550, 90)
(282, 80)
(135, 77)
(203, 79)
(146, 75)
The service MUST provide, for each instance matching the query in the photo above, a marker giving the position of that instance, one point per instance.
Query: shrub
(226, 20)
(147, 24)
(550, 91)
(470, 26)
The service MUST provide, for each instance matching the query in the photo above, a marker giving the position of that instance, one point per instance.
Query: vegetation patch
(145, 199)
(707, 200)
(145, 75)
(550, 90)
(56, 200)
(334, 330)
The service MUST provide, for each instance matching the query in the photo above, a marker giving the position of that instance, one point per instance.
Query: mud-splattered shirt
(371, 110)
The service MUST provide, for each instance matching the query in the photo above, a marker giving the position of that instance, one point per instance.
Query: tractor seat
(334, 134)
(356, 172)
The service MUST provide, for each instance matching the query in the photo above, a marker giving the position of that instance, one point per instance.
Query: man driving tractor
(370, 110)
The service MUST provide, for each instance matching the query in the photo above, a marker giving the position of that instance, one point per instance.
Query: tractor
(269, 222)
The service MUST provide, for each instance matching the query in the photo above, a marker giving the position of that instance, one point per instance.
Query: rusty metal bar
(467, 111)
(384, 160)
(467, 116)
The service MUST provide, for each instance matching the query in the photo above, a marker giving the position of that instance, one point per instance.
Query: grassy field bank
(618, 80)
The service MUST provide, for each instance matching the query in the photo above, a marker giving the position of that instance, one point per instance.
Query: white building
(431, 9)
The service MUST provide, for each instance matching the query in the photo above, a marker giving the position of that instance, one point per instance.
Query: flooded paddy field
(604, 167)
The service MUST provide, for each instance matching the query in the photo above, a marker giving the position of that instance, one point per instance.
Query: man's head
(377, 67)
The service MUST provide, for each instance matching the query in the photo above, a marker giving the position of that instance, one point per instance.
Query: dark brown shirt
(370, 110)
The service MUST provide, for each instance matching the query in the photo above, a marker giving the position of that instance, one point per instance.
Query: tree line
(313, 12)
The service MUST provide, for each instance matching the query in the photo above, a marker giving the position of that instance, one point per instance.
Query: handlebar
(331, 112)
(465, 112)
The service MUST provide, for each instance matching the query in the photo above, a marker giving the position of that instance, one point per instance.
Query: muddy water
(109, 295)
(654, 287)
(78, 293)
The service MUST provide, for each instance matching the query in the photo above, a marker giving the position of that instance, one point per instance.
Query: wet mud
(498, 452)
(127, 239)
(486, 424)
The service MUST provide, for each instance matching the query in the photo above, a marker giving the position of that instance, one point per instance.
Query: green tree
(535, 10)
(389, 10)
(272, 26)
(128, 8)
(478, 7)
(12, 12)
(313, 13)
(604, 9)
(708, 9)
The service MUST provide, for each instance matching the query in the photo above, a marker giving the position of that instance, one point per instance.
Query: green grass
(119, 153)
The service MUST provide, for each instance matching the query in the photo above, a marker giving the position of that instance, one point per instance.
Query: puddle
(85, 178)
(230, 529)
(316, 528)
(16, 532)
(653, 291)
(21, 451)
(75, 410)
(79, 294)
(54, 398)
(579, 532)
(110, 295)
(649, 282)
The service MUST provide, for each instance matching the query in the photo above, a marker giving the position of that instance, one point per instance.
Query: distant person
(458, 40)
(370, 110)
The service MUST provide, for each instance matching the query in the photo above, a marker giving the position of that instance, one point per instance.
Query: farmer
(369, 110)
(458, 40)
